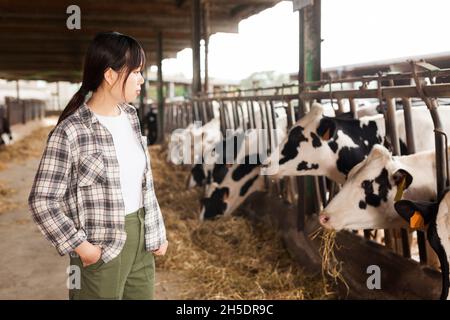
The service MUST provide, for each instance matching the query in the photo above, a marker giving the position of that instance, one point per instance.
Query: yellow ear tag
(416, 221)
(400, 189)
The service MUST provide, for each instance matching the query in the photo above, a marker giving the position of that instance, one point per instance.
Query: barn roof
(36, 44)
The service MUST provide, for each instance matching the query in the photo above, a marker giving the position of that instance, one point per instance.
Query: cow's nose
(323, 219)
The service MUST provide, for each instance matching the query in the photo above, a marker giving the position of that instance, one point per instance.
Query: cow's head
(419, 214)
(366, 200)
(320, 145)
(240, 180)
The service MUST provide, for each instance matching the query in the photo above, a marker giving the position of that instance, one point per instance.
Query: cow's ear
(417, 213)
(411, 213)
(402, 177)
(405, 209)
(326, 129)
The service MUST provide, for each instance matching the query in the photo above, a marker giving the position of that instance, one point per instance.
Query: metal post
(310, 70)
(407, 113)
(196, 36)
(391, 126)
(206, 38)
(159, 58)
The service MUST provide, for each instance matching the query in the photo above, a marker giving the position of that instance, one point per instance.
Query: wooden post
(159, 55)
(17, 90)
(142, 101)
(196, 35)
(205, 25)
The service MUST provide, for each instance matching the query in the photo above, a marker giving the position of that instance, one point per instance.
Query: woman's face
(129, 90)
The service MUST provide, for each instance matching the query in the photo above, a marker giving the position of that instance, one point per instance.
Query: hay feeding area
(31, 146)
(226, 258)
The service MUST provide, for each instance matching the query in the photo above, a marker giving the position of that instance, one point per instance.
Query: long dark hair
(108, 50)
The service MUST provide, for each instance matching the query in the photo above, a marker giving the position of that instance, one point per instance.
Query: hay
(28, 147)
(331, 266)
(227, 258)
(6, 204)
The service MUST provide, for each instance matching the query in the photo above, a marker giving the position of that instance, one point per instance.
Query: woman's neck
(103, 104)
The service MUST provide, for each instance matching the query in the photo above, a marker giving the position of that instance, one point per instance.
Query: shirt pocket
(91, 169)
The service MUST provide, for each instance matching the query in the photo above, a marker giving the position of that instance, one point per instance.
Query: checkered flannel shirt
(76, 194)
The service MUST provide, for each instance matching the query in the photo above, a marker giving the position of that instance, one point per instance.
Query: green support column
(309, 70)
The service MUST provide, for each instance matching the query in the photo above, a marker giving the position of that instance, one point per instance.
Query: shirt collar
(88, 116)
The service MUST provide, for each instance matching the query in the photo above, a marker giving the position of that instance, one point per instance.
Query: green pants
(130, 275)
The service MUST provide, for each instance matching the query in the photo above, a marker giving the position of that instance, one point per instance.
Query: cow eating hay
(229, 258)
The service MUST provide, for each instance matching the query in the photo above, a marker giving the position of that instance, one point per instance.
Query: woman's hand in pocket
(161, 250)
(89, 253)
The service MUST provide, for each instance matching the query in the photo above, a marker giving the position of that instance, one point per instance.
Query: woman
(93, 194)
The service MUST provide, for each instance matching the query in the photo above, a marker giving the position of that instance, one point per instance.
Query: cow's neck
(443, 228)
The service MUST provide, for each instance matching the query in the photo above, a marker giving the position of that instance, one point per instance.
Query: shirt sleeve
(47, 192)
(157, 228)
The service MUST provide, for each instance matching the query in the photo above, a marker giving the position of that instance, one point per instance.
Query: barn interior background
(41, 56)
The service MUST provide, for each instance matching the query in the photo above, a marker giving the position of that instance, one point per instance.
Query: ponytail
(74, 103)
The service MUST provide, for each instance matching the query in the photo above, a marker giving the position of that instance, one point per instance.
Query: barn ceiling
(35, 42)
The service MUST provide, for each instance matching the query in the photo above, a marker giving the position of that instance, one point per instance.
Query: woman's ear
(110, 76)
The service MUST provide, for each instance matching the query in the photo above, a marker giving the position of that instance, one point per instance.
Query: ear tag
(326, 135)
(400, 189)
(416, 221)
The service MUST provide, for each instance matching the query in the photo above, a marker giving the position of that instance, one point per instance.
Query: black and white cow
(242, 178)
(435, 216)
(213, 165)
(332, 146)
(366, 200)
(216, 160)
(186, 145)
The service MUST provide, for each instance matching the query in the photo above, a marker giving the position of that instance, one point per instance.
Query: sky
(353, 31)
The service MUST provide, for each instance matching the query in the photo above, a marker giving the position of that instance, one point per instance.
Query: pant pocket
(101, 281)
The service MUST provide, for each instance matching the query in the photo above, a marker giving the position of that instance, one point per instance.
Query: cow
(332, 146)
(213, 166)
(186, 144)
(435, 216)
(366, 200)
(242, 178)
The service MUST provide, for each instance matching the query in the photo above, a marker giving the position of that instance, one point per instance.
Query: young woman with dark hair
(93, 195)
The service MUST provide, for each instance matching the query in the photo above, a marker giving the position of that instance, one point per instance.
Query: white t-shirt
(131, 158)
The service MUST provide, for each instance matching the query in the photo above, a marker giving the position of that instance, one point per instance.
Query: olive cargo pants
(130, 275)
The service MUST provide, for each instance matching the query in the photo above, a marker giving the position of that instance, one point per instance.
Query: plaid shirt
(76, 194)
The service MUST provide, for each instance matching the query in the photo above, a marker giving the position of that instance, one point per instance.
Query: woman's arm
(50, 185)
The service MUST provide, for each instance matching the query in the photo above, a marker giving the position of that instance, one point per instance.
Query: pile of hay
(29, 147)
(228, 258)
